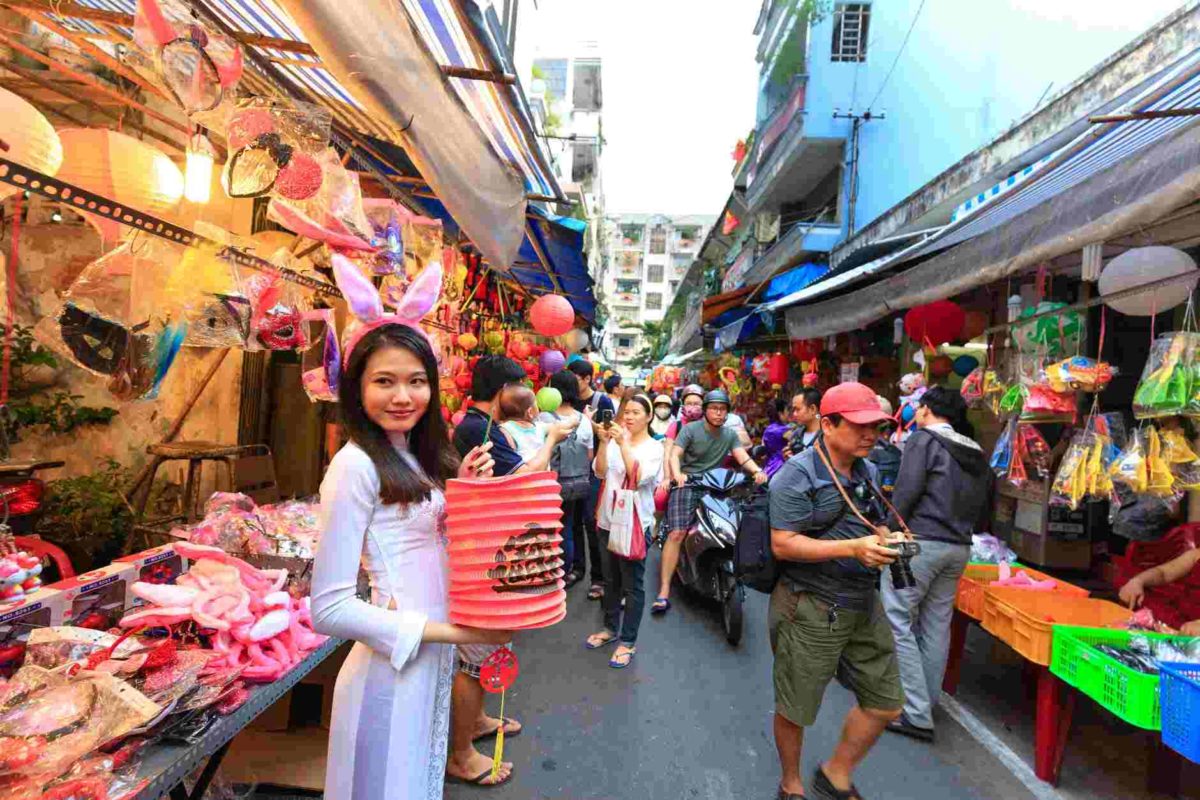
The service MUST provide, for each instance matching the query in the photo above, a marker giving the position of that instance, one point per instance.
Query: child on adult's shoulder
(518, 418)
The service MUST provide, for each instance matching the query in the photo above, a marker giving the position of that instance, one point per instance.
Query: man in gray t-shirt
(700, 446)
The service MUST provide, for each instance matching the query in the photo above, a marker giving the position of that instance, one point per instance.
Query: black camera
(902, 577)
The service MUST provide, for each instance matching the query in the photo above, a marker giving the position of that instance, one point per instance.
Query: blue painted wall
(968, 72)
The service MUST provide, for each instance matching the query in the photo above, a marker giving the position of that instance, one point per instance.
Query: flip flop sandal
(615, 664)
(596, 592)
(661, 606)
(590, 646)
(479, 779)
(508, 734)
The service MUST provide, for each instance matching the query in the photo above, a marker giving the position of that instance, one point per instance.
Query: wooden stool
(195, 453)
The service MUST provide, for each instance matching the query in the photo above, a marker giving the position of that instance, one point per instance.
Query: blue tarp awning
(561, 239)
(793, 281)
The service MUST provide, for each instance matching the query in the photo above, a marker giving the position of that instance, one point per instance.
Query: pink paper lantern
(552, 315)
(505, 551)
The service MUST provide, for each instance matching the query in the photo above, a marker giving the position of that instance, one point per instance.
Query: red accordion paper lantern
(552, 315)
(777, 369)
(505, 551)
(806, 349)
(934, 323)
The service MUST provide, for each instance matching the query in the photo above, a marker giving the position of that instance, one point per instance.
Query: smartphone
(604, 416)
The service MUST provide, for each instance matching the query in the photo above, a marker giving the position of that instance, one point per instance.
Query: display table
(166, 765)
(1054, 709)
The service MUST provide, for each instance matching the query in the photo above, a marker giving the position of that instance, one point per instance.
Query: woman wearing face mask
(691, 409)
(660, 423)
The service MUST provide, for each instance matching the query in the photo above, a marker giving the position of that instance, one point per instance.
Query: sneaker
(904, 727)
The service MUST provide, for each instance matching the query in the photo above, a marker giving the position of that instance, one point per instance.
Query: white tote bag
(625, 535)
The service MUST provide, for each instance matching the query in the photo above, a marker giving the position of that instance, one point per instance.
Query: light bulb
(197, 179)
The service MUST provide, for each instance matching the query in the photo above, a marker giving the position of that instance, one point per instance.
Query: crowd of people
(833, 612)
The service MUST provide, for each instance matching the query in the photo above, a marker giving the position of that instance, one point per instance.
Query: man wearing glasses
(826, 618)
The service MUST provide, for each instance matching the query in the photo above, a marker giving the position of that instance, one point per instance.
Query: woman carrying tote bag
(631, 461)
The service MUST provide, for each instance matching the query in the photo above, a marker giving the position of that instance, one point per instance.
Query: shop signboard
(735, 276)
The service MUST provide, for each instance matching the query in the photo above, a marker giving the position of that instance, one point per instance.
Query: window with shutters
(850, 22)
(654, 301)
(654, 273)
(658, 240)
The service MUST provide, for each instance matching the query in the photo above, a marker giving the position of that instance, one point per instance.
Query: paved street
(691, 718)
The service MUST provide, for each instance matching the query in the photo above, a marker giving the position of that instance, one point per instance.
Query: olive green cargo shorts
(810, 650)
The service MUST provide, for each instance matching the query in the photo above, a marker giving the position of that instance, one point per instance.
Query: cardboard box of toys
(161, 565)
(1043, 534)
(37, 608)
(96, 599)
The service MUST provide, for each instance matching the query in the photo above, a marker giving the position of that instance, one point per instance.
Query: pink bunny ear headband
(367, 307)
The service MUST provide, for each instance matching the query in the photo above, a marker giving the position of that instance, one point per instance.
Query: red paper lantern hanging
(974, 324)
(552, 315)
(806, 349)
(777, 369)
(934, 323)
(463, 381)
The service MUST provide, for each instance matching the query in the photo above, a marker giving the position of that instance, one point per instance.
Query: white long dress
(391, 705)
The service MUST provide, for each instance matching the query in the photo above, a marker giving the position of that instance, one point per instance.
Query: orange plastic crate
(1025, 619)
(977, 577)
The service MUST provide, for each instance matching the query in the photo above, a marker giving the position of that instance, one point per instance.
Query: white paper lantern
(31, 139)
(137, 176)
(1140, 266)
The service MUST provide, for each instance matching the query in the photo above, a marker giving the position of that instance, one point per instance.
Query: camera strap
(820, 446)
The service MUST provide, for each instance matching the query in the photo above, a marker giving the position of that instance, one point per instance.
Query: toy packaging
(96, 599)
(160, 565)
(20, 616)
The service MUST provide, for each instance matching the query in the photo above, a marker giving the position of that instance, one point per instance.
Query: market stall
(283, 239)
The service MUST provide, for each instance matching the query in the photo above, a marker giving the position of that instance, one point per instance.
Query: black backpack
(754, 563)
(570, 461)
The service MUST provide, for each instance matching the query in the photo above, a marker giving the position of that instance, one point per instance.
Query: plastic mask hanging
(277, 321)
(99, 328)
(208, 290)
(321, 382)
(199, 66)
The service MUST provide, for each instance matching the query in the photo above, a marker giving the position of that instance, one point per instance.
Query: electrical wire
(899, 53)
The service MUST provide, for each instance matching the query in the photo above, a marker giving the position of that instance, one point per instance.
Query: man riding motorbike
(700, 446)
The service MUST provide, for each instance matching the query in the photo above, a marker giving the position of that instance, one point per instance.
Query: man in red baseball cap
(825, 614)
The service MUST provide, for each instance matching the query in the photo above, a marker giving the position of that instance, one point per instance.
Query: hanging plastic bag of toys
(107, 324)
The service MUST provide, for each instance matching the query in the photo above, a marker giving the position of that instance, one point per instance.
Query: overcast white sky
(680, 85)
(680, 81)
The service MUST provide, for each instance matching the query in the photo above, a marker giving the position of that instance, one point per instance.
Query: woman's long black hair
(428, 441)
(950, 406)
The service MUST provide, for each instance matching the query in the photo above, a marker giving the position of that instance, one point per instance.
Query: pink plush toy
(12, 578)
(259, 628)
(1022, 580)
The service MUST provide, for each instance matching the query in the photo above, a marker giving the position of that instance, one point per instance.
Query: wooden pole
(470, 74)
(80, 41)
(8, 37)
(541, 254)
(61, 91)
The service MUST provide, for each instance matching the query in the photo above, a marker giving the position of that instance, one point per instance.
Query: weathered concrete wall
(50, 256)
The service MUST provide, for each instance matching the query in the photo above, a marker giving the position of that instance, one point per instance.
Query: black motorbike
(707, 555)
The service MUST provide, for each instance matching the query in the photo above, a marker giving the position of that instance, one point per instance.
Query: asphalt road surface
(691, 718)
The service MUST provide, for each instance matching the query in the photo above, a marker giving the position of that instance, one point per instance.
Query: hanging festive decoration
(552, 315)
(934, 323)
(468, 341)
(1142, 265)
(549, 399)
(30, 138)
(122, 168)
(777, 370)
(964, 365)
(552, 361)
(941, 366)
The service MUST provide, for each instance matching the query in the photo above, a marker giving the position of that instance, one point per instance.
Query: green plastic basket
(1131, 695)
